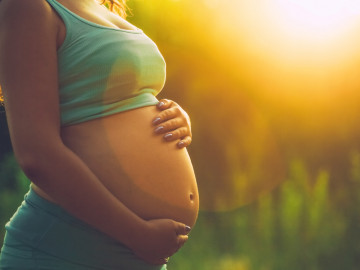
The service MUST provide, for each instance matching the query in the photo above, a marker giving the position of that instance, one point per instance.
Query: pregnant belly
(150, 176)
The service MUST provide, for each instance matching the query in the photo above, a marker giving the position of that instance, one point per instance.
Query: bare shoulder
(30, 7)
(29, 13)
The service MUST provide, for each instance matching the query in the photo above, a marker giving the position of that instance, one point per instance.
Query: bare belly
(150, 176)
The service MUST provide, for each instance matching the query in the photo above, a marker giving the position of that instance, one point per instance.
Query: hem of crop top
(145, 99)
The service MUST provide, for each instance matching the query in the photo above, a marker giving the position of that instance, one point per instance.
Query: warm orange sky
(314, 43)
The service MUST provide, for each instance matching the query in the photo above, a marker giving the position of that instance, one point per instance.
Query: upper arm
(28, 73)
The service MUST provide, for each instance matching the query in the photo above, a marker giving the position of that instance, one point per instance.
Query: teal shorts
(43, 236)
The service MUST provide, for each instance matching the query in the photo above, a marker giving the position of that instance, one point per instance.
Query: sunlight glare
(212, 3)
(294, 44)
(317, 17)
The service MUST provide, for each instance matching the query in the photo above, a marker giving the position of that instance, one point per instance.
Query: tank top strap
(62, 12)
(73, 23)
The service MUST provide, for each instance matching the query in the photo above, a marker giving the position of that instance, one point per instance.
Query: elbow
(34, 159)
(29, 164)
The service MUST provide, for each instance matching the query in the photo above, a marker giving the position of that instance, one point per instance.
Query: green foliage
(13, 185)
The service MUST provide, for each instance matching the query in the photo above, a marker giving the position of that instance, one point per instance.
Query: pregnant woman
(107, 192)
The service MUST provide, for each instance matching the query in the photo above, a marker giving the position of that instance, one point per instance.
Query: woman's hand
(160, 239)
(173, 122)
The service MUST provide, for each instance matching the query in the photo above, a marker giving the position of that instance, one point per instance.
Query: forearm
(68, 180)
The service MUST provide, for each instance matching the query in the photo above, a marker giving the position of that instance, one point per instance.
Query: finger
(165, 104)
(170, 125)
(182, 229)
(166, 115)
(184, 142)
(176, 134)
(182, 240)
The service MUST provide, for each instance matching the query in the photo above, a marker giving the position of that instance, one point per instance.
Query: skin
(29, 81)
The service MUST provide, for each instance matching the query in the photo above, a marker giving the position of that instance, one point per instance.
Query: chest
(93, 12)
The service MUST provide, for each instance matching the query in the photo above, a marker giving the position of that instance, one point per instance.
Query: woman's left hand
(173, 122)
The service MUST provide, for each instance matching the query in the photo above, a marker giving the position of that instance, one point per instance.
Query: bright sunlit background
(273, 91)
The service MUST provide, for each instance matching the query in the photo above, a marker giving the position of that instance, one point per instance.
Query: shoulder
(26, 13)
(31, 7)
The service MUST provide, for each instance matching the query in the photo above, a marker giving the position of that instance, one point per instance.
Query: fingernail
(156, 120)
(168, 136)
(181, 144)
(158, 129)
(160, 104)
(187, 229)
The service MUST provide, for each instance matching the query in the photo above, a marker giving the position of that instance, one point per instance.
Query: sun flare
(294, 46)
(313, 18)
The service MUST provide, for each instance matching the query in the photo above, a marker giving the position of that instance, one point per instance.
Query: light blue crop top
(104, 70)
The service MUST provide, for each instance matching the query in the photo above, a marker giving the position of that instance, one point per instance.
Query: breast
(152, 177)
(103, 67)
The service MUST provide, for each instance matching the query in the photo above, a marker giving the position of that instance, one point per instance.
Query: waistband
(45, 226)
(32, 197)
(35, 200)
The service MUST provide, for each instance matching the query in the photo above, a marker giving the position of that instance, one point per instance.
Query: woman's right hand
(160, 239)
